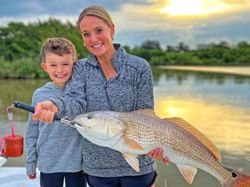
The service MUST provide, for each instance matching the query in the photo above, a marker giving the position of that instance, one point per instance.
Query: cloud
(13, 8)
(140, 20)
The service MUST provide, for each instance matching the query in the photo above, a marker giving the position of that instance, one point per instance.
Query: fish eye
(234, 175)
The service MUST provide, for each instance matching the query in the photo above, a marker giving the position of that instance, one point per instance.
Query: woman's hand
(45, 111)
(157, 154)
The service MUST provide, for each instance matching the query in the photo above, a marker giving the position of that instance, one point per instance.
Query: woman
(108, 79)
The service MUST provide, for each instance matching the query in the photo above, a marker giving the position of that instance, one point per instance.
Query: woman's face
(97, 35)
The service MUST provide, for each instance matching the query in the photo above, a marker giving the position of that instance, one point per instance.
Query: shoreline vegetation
(20, 45)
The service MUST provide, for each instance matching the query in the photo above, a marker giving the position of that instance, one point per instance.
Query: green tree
(151, 44)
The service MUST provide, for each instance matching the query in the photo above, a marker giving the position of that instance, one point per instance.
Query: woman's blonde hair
(58, 46)
(98, 12)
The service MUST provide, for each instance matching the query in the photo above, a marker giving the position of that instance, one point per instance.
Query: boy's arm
(31, 137)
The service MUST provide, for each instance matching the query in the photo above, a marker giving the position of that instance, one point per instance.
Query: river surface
(217, 104)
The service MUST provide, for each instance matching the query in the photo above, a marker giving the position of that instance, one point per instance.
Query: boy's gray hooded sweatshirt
(89, 90)
(54, 147)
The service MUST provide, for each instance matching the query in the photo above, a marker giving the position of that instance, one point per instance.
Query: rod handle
(24, 106)
(29, 108)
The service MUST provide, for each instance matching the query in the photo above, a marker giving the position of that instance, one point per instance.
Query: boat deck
(16, 177)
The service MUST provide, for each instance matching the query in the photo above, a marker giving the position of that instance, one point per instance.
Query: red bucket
(12, 146)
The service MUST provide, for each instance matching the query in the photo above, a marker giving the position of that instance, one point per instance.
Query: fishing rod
(31, 109)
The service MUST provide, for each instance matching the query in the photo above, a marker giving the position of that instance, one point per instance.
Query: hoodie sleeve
(31, 137)
(145, 97)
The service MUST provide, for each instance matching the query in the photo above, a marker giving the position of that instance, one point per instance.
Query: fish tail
(239, 180)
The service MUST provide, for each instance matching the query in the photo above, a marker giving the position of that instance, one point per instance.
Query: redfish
(136, 133)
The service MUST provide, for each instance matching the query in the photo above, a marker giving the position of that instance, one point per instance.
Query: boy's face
(59, 68)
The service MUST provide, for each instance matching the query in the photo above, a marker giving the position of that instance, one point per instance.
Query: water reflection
(227, 126)
(182, 75)
(217, 104)
(12, 90)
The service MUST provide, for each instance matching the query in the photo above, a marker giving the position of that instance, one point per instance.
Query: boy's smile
(58, 67)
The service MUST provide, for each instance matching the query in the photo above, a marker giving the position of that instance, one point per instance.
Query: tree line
(20, 47)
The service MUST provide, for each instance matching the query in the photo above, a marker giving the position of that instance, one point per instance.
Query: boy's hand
(45, 111)
(157, 154)
(32, 176)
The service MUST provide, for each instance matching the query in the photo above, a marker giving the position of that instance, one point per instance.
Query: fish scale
(152, 132)
(156, 133)
(139, 132)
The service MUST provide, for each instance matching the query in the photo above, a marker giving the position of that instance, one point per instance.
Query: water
(217, 104)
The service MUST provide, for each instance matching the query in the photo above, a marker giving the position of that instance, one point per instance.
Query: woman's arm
(145, 99)
(74, 100)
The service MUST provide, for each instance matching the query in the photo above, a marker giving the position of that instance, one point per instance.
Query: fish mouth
(78, 124)
(73, 124)
(84, 127)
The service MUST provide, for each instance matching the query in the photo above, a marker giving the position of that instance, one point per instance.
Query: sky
(168, 21)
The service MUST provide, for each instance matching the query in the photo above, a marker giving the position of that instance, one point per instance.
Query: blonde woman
(108, 79)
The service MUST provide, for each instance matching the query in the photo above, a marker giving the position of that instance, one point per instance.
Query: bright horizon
(196, 7)
(169, 21)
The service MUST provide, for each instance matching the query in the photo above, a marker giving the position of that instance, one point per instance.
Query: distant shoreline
(237, 70)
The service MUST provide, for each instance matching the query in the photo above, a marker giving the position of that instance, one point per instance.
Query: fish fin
(133, 144)
(197, 134)
(148, 112)
(188, 172)
(132, 160)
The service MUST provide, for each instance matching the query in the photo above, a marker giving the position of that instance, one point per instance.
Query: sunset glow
(223, 126)
(194, 7)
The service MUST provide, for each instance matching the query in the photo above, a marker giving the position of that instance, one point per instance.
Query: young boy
(56, 149)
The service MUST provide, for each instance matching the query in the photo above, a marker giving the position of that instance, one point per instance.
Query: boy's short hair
(58, 46)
